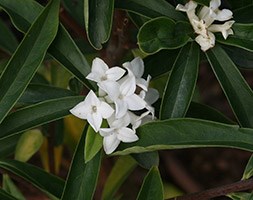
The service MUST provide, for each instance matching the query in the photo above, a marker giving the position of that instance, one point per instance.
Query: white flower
(92, 109)
(206, 42)
(117, 132)
(124, 97)
(101, 73)
(225, 28)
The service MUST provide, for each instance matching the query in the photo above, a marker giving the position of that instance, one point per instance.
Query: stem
(218, 191)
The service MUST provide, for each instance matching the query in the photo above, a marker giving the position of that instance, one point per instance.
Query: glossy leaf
(152, 187)
(181, 83)
(26, 60)
(8, 42)
(238, 4)
(63, 48)
(75, 9)
(8, 145)
(29, 143)
(6, 196)
(188, 133)
(119, 173)
(138, 20)
(147, 160)
(48, 183)
(163, 33)
(35, 93)
(160, 63)
(241, 196)
(98, 21)
(82, 177)
(243, 15)
(37, 114)
(93, 143)
(236, 89)
(248, 172)
(201, 111)
(150, 8)
(242, 37)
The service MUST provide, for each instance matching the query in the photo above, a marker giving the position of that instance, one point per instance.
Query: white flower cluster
(121, 91)
(202, 23)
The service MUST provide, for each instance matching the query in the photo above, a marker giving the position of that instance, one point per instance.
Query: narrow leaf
(8, 145)
(163, 33)
(48, 183)
(6, 196)
(152, 187)
(243, 15)
(188, 133)
(63, 48)
(236, 89)
(241, 196)
(248, 172)
(150, 8)
(147, 159)
(82, 178)
(181, 83)
(119, 173)
(98, 21)
(26, 60)
(36, 115)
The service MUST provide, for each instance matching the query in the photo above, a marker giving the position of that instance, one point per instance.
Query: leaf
(203, 2)
(236, 89)
(93, 143)
(29, 143)
(242, 37)
(11, 188)
(147, 160)
(138, 20)
(27, 58)
(36, 115)
(163, 33)
(63, 48)
(82, 177)
(75, 9)
(187, 133)
(181, 83)
(5, 196)
(160, 63)
(35, 93)
(152, 187)
(248, 171)
(8, 42)
(123, 167)
(241, 196)
(238, 4)
(98, 21)
(150, 8)
(243, 15)
(8, 145)
(201, 111)
(48, 183)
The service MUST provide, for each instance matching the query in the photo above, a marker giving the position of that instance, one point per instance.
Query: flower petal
(91, 99)
(152, 95)
(81, 110)
(105, 109)
(121, 108)
(99, 66)
(115, 73)
(127, 135)
(206, 42)
(136, 66)
(214, 4)
(135, 102)
(223, 15)
(111, 88)
(128, 86)
(95, 120)
(104, 132)
(110, 143)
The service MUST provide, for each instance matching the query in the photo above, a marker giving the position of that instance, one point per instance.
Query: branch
(219, 191)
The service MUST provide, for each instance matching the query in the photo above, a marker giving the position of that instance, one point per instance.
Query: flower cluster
(122, 92)
(203, 22)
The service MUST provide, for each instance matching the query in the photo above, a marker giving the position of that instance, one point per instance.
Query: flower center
(94, 109)
(121, 96)
(104, 78)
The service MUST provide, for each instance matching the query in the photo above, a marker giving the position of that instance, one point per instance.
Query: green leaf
(242, 37)
(27, 58)
(11, 188)
(82, 177)
(35, 93)
(243, 15)
(236, 89)
(75, 9)
(150, 8)
(163, 33)
(8, 42)
(248, 172)
(6, 196)
(8, 145)
(241, 196)
(160, 63)
(138, 20)
(36, 115)
(147, 159)
(201, 111)
(152, 187)
(29, 143)
(48, 183)
(63, 48)
(187, 133)
(203, 2)
(98, 21)
(181, 83)
(119, 173)
(238, 4)
(93, 143)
